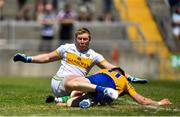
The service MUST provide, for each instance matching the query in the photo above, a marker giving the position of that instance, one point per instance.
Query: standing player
(102, 84)
(76, 60)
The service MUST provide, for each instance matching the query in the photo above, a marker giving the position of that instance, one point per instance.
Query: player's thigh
(74, 79)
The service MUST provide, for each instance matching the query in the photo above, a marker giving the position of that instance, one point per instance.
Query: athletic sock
(63, 99)
(100, 89)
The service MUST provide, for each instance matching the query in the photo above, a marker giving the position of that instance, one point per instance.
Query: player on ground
(98, 83)
(76, 60)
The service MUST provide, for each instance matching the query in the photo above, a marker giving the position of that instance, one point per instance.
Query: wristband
(159, 103)
(29, 59)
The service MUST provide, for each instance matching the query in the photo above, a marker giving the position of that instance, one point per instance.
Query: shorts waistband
(58, 78)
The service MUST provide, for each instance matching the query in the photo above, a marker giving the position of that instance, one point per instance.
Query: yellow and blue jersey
(112, 79)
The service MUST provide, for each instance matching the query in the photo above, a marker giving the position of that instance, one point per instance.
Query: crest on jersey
(87, 55)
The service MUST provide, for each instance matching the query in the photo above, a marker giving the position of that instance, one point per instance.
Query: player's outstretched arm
(107, 65)
(147, 101)
(41, 58)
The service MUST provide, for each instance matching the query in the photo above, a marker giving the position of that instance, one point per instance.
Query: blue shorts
(103, 80)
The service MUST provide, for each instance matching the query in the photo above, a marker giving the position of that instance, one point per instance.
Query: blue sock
(100, 89)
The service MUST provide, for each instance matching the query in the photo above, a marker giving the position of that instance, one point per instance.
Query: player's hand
(164, 102)
(22, 57)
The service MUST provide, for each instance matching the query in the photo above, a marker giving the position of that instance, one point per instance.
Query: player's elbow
(46, 60)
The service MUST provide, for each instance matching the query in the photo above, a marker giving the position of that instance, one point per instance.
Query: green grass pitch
(26, 96)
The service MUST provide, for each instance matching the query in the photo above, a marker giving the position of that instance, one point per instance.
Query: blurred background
(141, 36)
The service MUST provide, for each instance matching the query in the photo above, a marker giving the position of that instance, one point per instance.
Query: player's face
(82, 41)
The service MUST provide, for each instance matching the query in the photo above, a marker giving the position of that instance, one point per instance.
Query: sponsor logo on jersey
(78, 61)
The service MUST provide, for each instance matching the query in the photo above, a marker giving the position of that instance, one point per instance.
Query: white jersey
(76, 62)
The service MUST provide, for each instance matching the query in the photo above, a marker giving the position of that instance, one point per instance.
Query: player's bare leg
(83, 84)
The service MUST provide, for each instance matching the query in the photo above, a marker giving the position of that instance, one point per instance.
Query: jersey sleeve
(98, 58)
(130, 89)
(61, 50)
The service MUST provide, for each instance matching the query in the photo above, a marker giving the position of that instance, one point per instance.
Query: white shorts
(57, 86)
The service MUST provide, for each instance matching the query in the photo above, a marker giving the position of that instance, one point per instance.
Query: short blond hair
(82, 31)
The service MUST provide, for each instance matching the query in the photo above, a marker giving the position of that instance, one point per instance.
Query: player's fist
(164, 102)
(22, 57)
